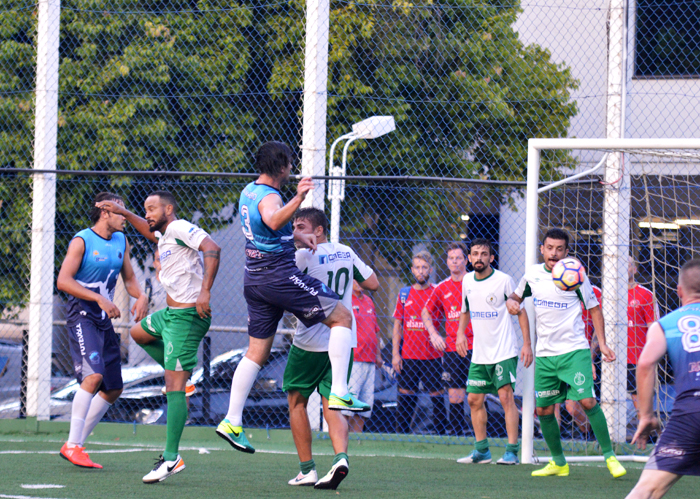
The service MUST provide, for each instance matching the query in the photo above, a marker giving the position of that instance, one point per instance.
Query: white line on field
(41, 486)
(24, 497)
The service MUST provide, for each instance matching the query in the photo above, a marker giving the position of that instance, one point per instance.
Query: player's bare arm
(526, 355)
(599, 327)
(140, 308)
(140, 224)
(461, 344)
(653, 351)
(276, 214)
(66, 279)
(396, 336)
(212, 256)
(513, 304)
(370, 284)
(435, 339)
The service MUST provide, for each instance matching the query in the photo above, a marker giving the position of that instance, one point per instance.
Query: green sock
(600, 430)
(514, 448)
(339, 456)
(482, 445)
(307, 466)
(550, 432)
(177, 416)
(156, 349)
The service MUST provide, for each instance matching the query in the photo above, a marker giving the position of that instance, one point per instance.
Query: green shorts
(561, 377)
(307, 371)
(488, 378)
(181, 330)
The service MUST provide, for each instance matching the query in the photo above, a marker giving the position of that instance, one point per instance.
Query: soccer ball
(568, 274)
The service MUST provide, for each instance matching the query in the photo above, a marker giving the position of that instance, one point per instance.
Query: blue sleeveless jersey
(98, 272)
(269, 253)
(682, 330)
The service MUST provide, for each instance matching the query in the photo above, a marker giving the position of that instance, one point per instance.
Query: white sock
(339, 351)
(98, 407)
(242, 382)
(81, 406)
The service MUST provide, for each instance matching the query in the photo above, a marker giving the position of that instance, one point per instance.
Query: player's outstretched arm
(140, 308)
(526, 352)
(396, 346)
(461, 344)
(275, 214)
(139, 223)
(599, 327)
(212, 255)
(653, 351)
(66, 279)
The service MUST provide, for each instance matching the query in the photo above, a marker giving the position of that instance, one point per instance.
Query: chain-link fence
(159, 88)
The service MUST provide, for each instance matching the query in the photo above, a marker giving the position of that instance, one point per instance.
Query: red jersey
(641, 311)
(587, 321)
(445, 304)
(367, 328)
(416, 339)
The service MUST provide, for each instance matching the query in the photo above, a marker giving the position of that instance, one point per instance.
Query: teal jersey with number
(269, 253)
(335, 265)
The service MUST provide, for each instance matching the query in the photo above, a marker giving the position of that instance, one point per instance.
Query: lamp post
(371, 128)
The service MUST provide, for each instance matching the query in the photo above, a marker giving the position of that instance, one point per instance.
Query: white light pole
(371, 128)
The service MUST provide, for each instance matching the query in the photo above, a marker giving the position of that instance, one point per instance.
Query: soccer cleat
(508, 458)
(163, 469)
(552, 470)
(347, 403)
(77, 456)
(235, 436)
(476, 457)
(305, 480)
(615, 468)
(336, 475)
(190, 389)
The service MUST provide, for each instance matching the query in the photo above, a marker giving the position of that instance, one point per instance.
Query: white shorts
(362, 385)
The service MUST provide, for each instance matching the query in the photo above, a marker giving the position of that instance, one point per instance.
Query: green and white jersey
(559, 324)
(485, 300)
(335, 265)
(182, 270)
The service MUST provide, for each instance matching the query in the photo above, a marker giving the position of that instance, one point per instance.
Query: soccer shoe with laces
(163, 469)
(615, 468)
(336, 475)
(235, 436)
(77, 456)
(476, 457)
(552, 470)
(508, 458)
(347, 403)
(301, 479)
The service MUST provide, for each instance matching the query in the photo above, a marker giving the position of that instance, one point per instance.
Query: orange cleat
(77, 456)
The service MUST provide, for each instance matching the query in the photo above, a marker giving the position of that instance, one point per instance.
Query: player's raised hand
(140, 308)
(608, 354)
(306, 240)
(526, 355)
(512, 306)
(646, 426)
(110, 308)
(111, 206)
(304, 186)
(202, 304)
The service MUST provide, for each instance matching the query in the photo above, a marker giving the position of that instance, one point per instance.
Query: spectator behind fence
(367, 355)
(416, 360)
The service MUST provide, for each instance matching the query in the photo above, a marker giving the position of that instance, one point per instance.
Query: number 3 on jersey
(335, 285)
(247, 231)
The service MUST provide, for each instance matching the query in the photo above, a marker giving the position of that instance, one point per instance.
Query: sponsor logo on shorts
(694, 367)
(169, 348)
(580, 390)
(483, 315)
(78, 368)
(670, 451)
(547, 393)
(550, 304)
(499, 369)
(83, 313)
(312, 313)
(148, 323)
(296, 280)
(94, 358)
(579, 379)
(474, 382)
(81, 340)
(446, 376)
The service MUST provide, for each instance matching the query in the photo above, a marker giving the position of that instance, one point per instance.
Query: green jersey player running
(309, 365)
(563, 358)
(495, 357)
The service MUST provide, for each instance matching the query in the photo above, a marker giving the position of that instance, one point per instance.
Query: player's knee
(588, 403)
(545, 411)
(340, 316)
(140, 336)
(475, 401)
(505, 395)
(295, 400)
(91, 383)
(456, 397)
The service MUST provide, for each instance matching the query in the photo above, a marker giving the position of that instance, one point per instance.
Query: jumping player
(677, 451)
(563, 357)
(89, 272)
(172, 335)
(273, 284)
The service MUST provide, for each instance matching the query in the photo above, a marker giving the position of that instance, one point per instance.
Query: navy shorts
(678, 449)
(95, 350)
(307, 298)
(456, 369)
(429, 372)
(632, 379)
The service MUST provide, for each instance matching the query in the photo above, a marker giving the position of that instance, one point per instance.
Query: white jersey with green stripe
(182, 270)
(335, 265)
(558, 318)
(485, 300)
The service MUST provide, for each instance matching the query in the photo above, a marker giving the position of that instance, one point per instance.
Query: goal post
(614, 212)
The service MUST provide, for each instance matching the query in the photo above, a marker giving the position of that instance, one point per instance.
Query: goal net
(632, 209)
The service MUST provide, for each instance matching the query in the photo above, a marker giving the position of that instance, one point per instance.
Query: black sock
(439, 413)
(405, 405)
(458, 421)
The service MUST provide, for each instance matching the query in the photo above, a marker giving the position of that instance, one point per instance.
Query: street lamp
(371, 128)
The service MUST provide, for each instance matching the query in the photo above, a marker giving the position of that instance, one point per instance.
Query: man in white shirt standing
(563, 356)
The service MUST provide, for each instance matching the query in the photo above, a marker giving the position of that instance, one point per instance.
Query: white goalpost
(644, 206)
